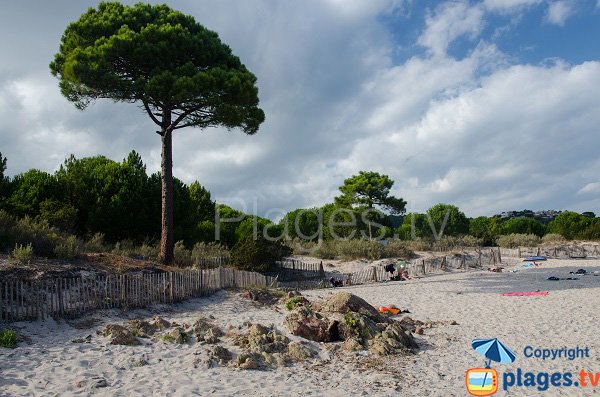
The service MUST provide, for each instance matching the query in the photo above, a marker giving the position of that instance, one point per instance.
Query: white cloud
(449, 21)
(592, 187)
(509, 5)
(559, 12)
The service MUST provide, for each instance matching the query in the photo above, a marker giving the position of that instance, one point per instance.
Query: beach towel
(528, 293)
(553, 278)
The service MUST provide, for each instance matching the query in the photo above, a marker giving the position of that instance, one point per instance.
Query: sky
(490, 105)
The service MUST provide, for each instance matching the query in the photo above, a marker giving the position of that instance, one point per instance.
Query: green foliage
(31, 189)
(484, 228)
(202, 251)
(456, 221)
(8, 338)
(553, 238)
(360, 249)
(22, 254)
(303, 223)
(291, 303)
(592, 232)
(369, 189)
(95, 243)
(257, 255)
(518, 240)
(70, 248)
(183, 256)
(59, 214)
(161, 58)
(569, 224)
(522, 225)
(449, 243)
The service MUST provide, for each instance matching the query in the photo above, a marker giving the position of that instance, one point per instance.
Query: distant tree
(369, 191)
(592, 232)
(523, 225)
(447, 220)
(485, 228)
(569, 224)
(31, 189)
(177, 70)
(589, 214)
(302, 223)
(4, 183)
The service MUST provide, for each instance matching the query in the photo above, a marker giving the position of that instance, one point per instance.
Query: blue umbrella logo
(493, 350)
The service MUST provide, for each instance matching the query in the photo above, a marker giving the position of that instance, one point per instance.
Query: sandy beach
(460, 307)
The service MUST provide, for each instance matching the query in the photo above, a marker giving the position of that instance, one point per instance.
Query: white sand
(51, 365)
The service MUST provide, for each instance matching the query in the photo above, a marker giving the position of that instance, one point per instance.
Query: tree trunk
(166, 234)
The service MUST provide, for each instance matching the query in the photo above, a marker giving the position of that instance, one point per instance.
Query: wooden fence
(558, 252)
(74, 296)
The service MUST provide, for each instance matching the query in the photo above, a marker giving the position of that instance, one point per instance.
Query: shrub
(257, 255)
(23, 254)
(70, 248)
(182, 255)
(553, 238)
(419, 245)
(397, 248)
(96, 243)
(125, 248)
(210, 250)
(518, 240)
(449, 243)
(8, 338)
(291, 303)
(148, 251)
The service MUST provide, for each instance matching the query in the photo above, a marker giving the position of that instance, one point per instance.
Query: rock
(119, 335)
(344, 302)
(361, 326)
(247, 361)
(97, 382)
(291, 294)
(141, 328)
(410, 324)
(160, 323)
(394, 340)
(298, 353)
(419, 330)
(177, 335)
(352, 345)
(87, 339)
(218, 355)
(205, 331)
(265, 297)
(305, 323)
(139, 362)
(258, 329)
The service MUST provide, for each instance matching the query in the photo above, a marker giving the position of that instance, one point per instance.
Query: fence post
(374, 274)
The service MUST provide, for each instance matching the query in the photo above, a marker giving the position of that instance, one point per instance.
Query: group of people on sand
(398, 271)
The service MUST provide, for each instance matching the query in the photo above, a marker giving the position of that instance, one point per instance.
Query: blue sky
(491, 105)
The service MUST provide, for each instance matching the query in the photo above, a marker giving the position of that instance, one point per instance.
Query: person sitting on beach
(336, 283)
(403, 274)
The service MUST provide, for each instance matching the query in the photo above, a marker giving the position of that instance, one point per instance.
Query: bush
(70, 248)
(518, 240)
(419, 245)
(257, 255)
(96, 243)
(182, 255)
(553, 238)
(210, 250)
(8, 338)
(449, 243)
(291, 303)
(148, 251)
(23, 254)
(397, 249)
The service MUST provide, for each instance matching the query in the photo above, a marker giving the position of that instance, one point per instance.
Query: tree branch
(152, 116)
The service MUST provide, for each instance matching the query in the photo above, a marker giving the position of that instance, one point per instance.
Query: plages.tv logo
(484, 381)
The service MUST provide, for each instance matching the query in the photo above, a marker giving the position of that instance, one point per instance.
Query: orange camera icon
(481, 381)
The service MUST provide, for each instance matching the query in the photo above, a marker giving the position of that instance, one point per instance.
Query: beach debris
(119, 335)
(87, 339)
(139, 362)
(95, 382)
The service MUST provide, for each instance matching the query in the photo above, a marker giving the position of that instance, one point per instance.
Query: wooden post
(374, 274)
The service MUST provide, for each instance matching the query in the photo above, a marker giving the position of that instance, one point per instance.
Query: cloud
(509, 5)
(592, 187)
(449, 21)
(559, 12)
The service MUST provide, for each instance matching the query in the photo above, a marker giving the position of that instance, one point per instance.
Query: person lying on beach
(336, 283)
(495, 269)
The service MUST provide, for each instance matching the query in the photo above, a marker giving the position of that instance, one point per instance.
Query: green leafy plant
(291, 303)
(8, 338)
(23, 254)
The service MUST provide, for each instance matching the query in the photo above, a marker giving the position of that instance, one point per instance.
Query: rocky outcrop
(205, 331)
(304, 322)
(344, 302)
(119, 335)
